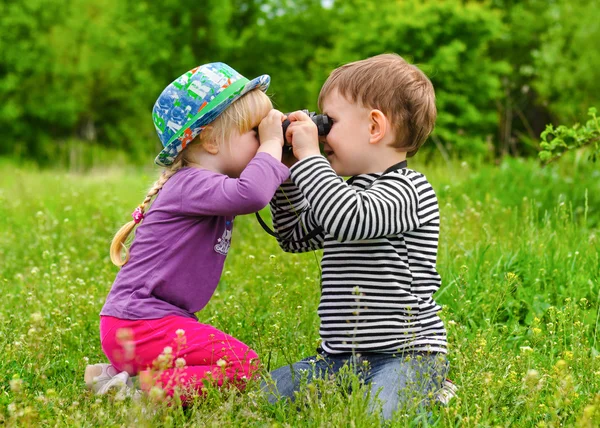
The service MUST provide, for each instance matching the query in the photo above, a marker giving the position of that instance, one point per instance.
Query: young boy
(379, 232)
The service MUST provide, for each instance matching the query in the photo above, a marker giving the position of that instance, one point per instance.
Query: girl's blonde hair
(240, 117)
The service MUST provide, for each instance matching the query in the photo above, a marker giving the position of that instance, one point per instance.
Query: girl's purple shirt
(177, 256)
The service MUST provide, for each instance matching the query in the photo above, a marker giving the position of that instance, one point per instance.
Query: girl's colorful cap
(194, 100)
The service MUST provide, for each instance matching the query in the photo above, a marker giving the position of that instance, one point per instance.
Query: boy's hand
(270, 134)
(303, 135)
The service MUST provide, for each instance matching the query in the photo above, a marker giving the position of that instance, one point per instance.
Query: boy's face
(347, 144)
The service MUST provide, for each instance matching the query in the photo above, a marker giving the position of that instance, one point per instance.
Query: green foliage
(286, 39)
(89, 71)
(556, 141)
(519, 259)
(449, 40)
(554, 76)
(520, 114)
(568, 72)
(76, 70)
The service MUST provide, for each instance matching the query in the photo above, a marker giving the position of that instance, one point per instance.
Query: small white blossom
(15, 385)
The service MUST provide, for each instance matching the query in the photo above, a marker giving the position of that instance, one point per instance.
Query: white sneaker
(447, 392)
(101, 378)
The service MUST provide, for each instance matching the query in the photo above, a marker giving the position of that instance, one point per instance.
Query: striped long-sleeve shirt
(379, 238)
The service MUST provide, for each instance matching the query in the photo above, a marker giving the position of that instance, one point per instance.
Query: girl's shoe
(101, 378)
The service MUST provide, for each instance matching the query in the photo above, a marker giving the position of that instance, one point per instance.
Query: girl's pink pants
(135, 346)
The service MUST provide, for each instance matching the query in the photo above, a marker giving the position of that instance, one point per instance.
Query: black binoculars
(322, 121)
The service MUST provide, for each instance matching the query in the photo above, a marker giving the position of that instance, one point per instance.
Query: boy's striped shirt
(379, 245)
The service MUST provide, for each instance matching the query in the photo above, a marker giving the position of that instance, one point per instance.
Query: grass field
(519, 259)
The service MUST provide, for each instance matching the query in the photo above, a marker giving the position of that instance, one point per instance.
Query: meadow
(519, 257)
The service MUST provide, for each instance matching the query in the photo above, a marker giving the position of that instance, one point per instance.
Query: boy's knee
(278, 385)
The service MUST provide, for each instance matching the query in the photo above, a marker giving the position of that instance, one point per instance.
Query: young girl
(215, 168)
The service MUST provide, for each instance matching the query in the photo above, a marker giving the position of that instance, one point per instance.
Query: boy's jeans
(397, 381)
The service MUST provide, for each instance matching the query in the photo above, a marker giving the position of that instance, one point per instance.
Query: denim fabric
(395, 381)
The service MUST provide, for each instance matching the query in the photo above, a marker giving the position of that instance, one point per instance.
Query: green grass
(519, 259)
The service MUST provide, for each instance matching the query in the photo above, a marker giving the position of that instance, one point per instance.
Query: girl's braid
(167, 173)
(118, 242)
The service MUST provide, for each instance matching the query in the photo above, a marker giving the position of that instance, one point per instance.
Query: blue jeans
(397, 381)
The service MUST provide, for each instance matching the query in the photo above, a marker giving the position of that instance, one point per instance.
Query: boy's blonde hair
(241, 116)
(400, 90)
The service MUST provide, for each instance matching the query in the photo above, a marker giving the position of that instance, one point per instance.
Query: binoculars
(322, 121)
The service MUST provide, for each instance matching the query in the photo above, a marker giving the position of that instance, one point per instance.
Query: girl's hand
(270, 134)
(270, 129)
(303, 135)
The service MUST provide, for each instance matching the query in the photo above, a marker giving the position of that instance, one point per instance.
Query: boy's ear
(378, 126)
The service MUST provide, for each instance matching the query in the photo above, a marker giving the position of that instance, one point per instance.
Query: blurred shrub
(557, 141)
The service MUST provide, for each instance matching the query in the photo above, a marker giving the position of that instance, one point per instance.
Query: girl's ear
(378, 126)
(208, 143)
(211, 146)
